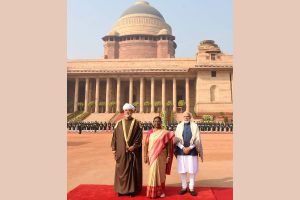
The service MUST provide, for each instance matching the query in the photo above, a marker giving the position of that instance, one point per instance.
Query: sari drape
(160, 145)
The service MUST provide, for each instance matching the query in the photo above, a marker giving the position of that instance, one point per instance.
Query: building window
(213, 93)
(213, 56)
(213, 74)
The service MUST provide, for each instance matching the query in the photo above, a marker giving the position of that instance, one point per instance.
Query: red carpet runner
(99, 192)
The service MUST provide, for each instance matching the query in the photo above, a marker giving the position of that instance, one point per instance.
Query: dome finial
(141, 2)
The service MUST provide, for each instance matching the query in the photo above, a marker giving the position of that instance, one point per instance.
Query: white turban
(128, 106)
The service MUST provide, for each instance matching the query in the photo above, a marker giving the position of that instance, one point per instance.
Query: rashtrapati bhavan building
(139, 65)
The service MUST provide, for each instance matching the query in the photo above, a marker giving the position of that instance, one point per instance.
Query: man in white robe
(188, 148)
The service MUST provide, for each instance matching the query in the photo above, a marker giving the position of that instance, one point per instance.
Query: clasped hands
(186, 150)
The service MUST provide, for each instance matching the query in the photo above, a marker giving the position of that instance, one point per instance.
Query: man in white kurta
(188, 147)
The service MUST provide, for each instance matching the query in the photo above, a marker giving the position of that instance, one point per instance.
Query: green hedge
(81, 117)
(73, 115)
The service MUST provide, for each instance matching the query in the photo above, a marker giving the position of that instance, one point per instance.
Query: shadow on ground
(77, 143)
(224, 182)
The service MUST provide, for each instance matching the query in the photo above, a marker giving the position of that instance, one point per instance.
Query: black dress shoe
(193, 192)
(132, 195)
(182, 191)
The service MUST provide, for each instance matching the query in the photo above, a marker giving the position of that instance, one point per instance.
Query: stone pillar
(187, 94)
(107, 95)
(86, 96)
(76, 94)
(90, 91)
(130, 90)
(174, 95)
(152, 95)
(142, 95)
(118, 95)
(198, 80)
(163, 94)
(231, 84)
(97, 96)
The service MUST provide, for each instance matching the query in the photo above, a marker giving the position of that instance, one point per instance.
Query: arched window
(213, 93)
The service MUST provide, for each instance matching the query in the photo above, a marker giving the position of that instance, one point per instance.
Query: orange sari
(160, 145)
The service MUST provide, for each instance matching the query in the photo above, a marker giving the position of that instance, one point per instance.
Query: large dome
(142, 7)
(141, 19)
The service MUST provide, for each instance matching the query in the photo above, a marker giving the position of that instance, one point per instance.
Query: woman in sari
(158, 154)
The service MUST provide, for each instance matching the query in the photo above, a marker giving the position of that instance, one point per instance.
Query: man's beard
(186, 121)
(127, 116)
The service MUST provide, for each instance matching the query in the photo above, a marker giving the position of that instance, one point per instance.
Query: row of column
(118, 99)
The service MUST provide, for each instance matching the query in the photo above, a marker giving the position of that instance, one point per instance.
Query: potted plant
(80, 106)
(157, 105)
(181, 104)
(136, 105)
(91, 106)
(112, 104)
(147, 104)
(102, 105)
(169, 105)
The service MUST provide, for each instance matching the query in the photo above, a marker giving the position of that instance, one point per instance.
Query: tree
(208, 118)
(164, 116)
(112, 104)
(169, 105)
(80, 106)
(91, 105)
(157, 104)
(102, 104)
(136, 104)
(181, 104)
(147, 104)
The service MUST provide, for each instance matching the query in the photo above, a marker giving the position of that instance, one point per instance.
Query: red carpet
(119, 117)
(98, 192)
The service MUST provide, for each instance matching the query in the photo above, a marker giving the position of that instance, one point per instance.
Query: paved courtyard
(90, 161)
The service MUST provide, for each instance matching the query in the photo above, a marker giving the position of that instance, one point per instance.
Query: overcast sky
(191, 20)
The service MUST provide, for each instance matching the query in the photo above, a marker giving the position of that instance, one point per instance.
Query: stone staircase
(118, 117)
(139, 116)
(100, 117)
(145, 117)
(72, 116)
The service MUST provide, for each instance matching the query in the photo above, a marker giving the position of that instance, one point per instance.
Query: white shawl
(195, 140)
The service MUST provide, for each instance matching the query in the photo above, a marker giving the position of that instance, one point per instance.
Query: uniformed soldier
(227, 127)
(79, 127)
(113, 126)
(172, 126)
(105, 126)
(214, 127)
(218, 126)
(100, 126)
(109, 126)
(222, 126)
(95, 126)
